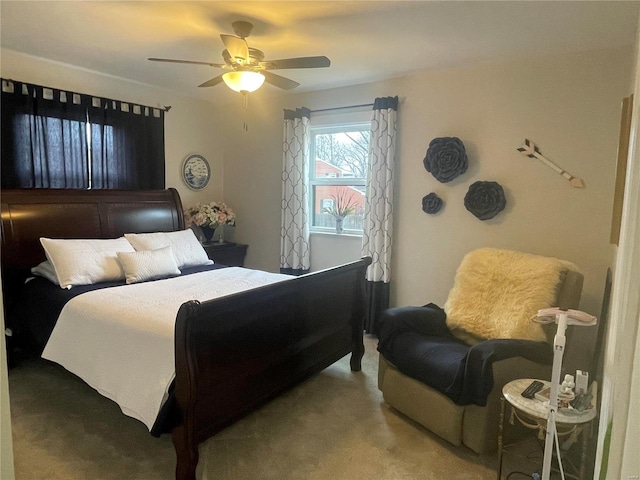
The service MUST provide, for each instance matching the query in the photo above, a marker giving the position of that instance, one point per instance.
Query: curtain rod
(342, 108)
(11, 81)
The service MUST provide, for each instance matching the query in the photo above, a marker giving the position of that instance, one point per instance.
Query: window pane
(341, 154)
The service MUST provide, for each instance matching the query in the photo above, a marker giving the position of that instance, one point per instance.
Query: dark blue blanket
(419, 343)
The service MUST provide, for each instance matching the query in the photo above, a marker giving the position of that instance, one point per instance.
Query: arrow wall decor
(530, 149)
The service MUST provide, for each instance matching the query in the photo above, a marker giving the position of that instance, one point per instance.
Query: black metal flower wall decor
(431, 203)
(446, 158)
(485, 199)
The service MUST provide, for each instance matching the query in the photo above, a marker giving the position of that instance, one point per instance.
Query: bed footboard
(235, 353)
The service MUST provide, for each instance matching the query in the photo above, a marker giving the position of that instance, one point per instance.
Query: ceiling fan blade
(170, 60)
(237, 48)
(301, 62)
(279, 81)
(213, 82)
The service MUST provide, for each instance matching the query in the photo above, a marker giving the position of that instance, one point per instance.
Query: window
(338, 175)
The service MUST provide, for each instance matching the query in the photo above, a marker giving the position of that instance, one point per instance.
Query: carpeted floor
(335, 426)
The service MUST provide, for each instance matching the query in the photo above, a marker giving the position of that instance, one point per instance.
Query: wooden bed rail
(290, 330)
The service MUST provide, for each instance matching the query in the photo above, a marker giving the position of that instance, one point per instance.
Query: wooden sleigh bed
(232, 354)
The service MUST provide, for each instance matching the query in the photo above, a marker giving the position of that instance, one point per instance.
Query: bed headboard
(28, 214)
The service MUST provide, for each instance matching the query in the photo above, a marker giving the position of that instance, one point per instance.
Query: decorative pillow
(185, 246)
(496, 292)
(46, 270)
(148, 264)
(85, 262)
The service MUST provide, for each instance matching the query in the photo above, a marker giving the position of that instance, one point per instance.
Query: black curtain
(376, 302)
(46, 141)
(127, 146)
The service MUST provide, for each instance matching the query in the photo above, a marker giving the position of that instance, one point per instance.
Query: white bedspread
(120, 340)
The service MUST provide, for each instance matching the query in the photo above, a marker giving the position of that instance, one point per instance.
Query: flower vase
(207, 233)
(339, 221)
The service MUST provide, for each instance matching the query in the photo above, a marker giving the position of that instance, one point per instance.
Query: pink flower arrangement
(209, 215)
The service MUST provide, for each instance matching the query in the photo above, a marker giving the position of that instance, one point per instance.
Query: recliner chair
(445, 368)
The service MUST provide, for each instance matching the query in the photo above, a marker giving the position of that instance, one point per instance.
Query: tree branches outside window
(349, 151)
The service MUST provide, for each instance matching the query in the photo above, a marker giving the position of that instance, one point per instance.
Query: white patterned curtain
(295, 257)
(378, 225)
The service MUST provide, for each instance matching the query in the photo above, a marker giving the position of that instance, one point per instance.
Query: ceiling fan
(248, 69)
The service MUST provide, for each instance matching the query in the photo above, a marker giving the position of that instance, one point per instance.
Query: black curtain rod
(342, 108)
(166, 108)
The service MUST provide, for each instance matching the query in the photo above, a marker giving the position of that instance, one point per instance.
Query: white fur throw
(496, 292)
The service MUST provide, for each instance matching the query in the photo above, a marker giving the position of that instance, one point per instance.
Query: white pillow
(185, 246)
(85, 262)
(148, 264)
(46, 270)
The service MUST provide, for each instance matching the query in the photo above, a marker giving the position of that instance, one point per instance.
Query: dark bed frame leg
(357, 353)
(186, 454)
(357, 325)
(356, 357)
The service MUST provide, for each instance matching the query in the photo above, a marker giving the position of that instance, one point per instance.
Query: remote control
(532, 389)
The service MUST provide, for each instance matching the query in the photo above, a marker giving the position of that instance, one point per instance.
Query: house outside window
(338, 174)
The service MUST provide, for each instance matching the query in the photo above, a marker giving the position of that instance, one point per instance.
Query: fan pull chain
(245, 125)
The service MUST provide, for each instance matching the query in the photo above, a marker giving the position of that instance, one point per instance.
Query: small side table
(532, 413)
(226, 253)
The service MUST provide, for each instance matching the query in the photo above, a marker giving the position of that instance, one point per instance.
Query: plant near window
(343, 205)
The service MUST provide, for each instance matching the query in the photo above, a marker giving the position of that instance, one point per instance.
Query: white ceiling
(365, 40)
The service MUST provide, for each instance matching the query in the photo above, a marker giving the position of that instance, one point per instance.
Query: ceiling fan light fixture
(243, 81)
(248, 69)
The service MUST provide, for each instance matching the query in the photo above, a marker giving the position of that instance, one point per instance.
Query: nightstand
(227, 253)
(532, 414)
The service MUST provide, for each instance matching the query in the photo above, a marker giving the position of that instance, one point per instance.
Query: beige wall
(191, 126)
(569, 105)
